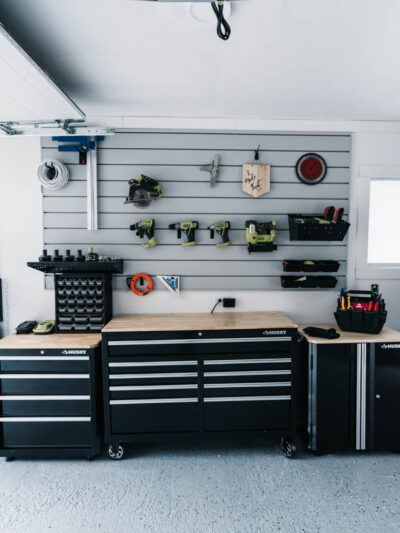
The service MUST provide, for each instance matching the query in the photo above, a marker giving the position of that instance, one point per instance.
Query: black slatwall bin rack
(317, 265)
(83, 301)
(312, 230)
(310, 282)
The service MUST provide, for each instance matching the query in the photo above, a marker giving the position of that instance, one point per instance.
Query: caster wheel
(316, 453)
(288, 448)
(10, 459)
(116, 452)
(89, 458)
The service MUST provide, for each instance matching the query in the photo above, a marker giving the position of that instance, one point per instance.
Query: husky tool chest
(49, 396)
(199, 375)
(353, 392)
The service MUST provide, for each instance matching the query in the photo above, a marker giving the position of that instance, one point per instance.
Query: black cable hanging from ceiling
(223, 28)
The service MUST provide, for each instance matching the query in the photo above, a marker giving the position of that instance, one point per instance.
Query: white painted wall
(21, 232)
(381, 150)
(21, 240)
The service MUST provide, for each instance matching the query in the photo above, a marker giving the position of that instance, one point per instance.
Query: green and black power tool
(260, 236)
(143, 191)
(222, 229)
(188, 228)
(145, 227)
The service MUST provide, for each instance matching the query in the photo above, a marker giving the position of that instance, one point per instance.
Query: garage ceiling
(310, 59)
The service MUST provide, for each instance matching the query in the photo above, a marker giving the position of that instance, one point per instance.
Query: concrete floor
(207, 488)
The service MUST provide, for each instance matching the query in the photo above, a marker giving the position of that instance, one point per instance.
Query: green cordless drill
(222, 229)
(188, 228)
(145, 227)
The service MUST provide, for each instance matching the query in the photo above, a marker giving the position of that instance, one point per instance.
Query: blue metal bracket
(81, 144)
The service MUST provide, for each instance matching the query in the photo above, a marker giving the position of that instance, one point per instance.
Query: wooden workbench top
(349, 337)
(199, 321)
(53, 341)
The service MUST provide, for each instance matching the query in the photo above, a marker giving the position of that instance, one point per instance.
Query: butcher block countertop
(349, 337)
(53, 341)
(199, 321)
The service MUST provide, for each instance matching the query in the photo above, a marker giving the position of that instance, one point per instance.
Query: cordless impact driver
(222, 229)
(188, 228)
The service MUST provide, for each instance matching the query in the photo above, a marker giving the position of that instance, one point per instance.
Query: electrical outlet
(229, 302)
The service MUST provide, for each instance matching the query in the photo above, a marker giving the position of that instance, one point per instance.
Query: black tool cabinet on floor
(354, 392)
(49, 396)
(198, 383)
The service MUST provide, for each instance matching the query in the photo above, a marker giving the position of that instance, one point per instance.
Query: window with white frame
(384, 223)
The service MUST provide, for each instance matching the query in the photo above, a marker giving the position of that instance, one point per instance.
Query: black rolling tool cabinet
(199, 376)
(49, 396)
(353, 392)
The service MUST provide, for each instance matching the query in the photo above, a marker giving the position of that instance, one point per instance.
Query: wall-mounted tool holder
(173, 158)
(310, 265)
(315, 228)
(83, 302)
(308, 282)
(55, 267)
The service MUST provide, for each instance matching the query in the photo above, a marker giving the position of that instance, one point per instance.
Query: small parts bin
(311, 265)
(309, 282)
(315, 228)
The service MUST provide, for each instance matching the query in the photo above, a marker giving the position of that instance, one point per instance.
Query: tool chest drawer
(36, 362)
(48, 383)
(46, 432)
(49, 398)
(233, 413)
(155, 416)
(198, 345)
(51, 405)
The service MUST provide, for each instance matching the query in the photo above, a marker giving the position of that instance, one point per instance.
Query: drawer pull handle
(155, 400)
(162, 375)
(249, 373)
(44, 358)
(45, 419)
(247, 385)
(248, 399)
(37, 397)
(152, 387)
(247, 361)
(44, 376)
(198, 341)
(153, 363)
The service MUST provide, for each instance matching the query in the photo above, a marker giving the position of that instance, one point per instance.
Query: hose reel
(53, 174)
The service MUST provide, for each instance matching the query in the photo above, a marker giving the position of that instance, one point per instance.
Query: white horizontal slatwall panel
(174, 160)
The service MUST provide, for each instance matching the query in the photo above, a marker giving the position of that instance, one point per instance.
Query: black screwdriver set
(83, 288)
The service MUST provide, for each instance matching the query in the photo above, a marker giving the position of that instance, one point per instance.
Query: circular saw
(143, 191)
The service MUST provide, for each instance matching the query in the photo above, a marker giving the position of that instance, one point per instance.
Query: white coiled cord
(53, 174)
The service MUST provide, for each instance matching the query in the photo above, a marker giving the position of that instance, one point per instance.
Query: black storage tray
(311, 282)
(318, 266)
(311, 230)
(370, 322)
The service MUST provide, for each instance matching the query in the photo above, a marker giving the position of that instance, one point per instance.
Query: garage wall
(21, 239)
(174, 160)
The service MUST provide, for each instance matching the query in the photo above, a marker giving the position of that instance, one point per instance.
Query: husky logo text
(73, 352)
(275, 332)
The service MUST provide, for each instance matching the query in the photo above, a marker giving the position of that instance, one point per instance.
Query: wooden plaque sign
(256, 179)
